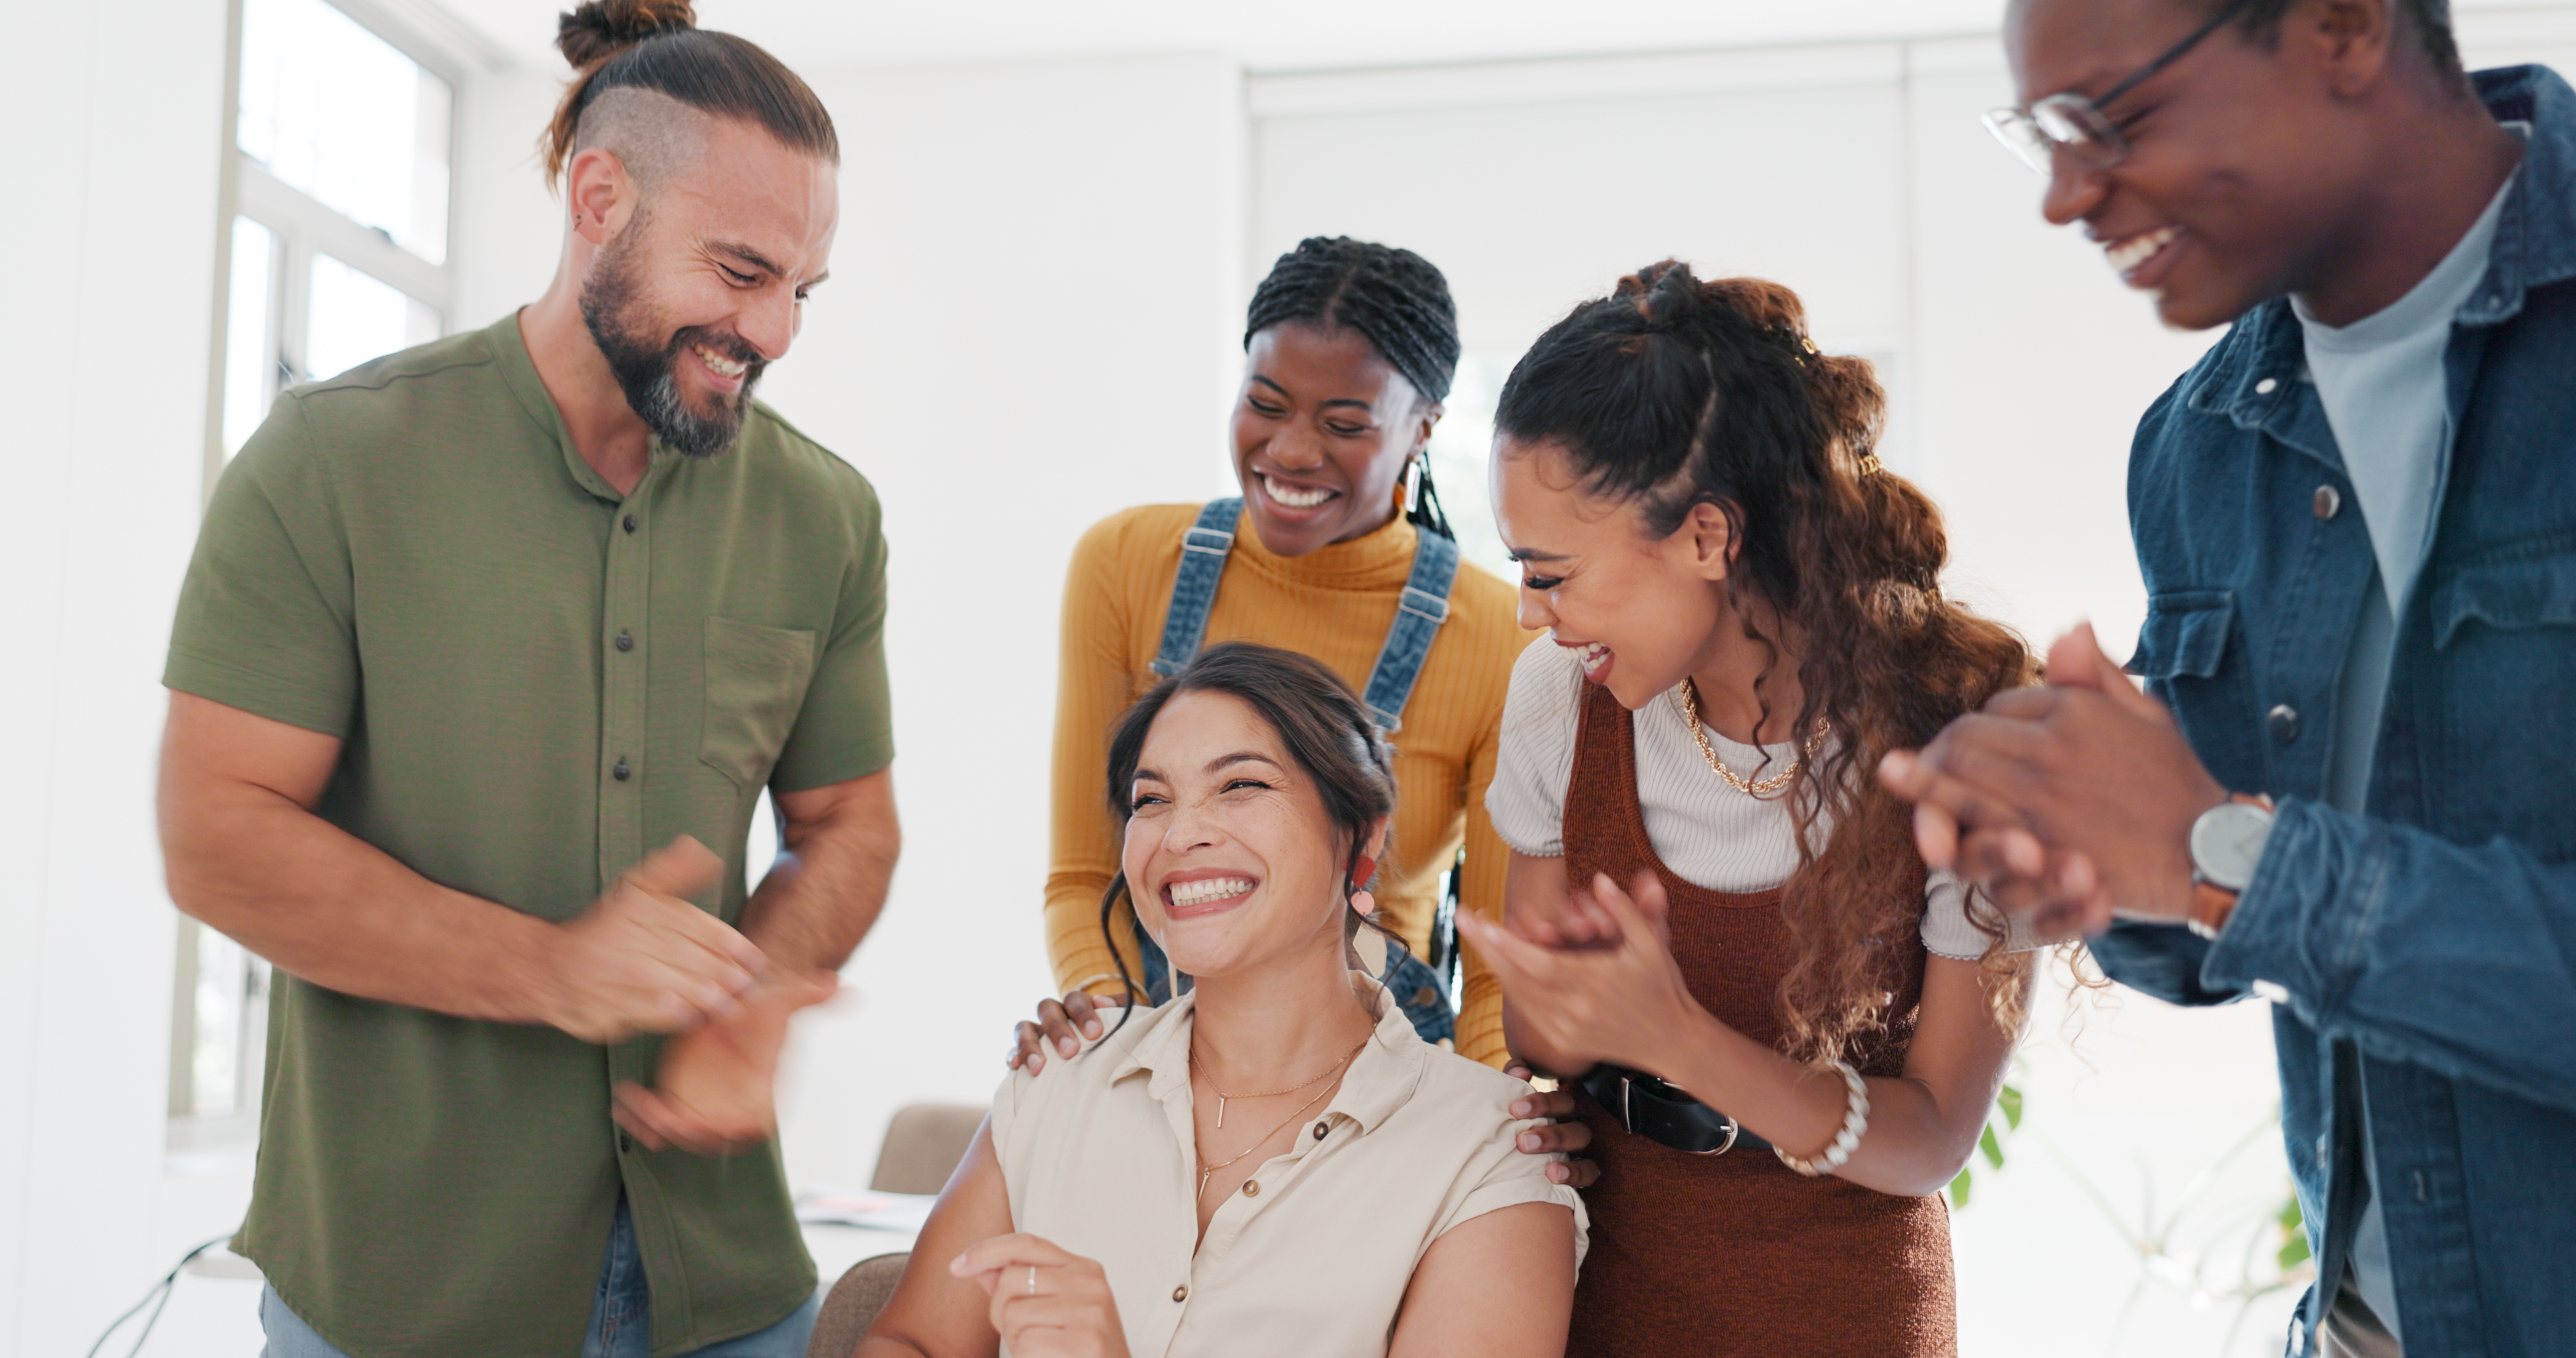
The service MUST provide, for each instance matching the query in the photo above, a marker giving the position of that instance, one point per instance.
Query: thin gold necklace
(1222, 1096)
(1687, 697)
(1208, 1172)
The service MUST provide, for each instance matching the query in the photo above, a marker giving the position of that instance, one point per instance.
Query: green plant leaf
(2294, 1235)
(1959, 1190)
(2009, 1100)
(1994, 1149)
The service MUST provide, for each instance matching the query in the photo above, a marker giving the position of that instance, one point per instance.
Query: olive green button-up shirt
(538, 680)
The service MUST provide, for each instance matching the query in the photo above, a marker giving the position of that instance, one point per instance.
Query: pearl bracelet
(1855, 1125)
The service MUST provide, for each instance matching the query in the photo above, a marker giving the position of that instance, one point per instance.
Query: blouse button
(1252, 1188)
(1181, 1293)
(1320, 1129)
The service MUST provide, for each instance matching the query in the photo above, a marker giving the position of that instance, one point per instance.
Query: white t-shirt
(1707, 832)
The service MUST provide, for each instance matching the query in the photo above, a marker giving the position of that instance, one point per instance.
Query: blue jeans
(621, 1316)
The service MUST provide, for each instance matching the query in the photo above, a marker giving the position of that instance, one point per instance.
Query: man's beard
(649, 375)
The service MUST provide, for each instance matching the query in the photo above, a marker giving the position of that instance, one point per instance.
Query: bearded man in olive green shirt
(488, 651)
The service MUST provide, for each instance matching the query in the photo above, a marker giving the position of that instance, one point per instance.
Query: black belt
(1661, 1113)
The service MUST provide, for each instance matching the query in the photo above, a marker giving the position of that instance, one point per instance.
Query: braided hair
(1394, 298)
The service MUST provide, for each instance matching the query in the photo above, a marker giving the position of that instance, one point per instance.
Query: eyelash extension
(1541, 583)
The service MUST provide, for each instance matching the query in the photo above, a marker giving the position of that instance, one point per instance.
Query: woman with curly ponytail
(1717, 924)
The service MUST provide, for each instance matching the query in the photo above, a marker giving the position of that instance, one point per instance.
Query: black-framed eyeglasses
(2079, 124)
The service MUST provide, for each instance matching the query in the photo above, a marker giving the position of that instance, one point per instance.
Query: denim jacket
(2427, 949)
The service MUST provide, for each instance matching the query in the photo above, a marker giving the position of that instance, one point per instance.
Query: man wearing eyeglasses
(2349, 785)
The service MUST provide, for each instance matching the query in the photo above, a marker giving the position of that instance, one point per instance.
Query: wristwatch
(2226, 842)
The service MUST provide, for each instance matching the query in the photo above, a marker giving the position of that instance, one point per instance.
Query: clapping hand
(2068, 803)
(715, 1091)
(1598, 982)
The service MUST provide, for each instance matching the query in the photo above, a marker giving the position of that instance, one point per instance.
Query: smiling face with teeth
(699, 280)
(2256, 163)
(1641, 611)
(1233, 862)
(1322, 430)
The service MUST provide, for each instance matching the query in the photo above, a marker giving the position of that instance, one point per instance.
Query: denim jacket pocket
(2185, 635)
(2509, 596)
(755, 685)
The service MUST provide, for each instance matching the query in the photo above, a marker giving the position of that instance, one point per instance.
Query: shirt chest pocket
(2185, 635)
(2505, 640)
(755, 685)
(2183, 653)
(2508, 596)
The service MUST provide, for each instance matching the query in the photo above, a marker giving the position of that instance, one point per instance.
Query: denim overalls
(1418, 986)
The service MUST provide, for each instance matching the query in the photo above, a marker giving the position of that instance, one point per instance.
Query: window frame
(300, 227)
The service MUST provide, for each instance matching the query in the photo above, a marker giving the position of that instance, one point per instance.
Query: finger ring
(1033, 1280)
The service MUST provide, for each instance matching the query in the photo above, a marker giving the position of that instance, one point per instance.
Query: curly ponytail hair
(1395, 299)
(656, 45)
(1675, 392)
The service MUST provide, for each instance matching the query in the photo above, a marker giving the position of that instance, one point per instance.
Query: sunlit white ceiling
(1308, 34)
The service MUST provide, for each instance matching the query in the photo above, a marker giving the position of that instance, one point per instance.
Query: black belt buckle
(1628, 1082)
(1665, 1115)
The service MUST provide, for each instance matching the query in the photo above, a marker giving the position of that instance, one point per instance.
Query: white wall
(110, 227)
(1033, 302)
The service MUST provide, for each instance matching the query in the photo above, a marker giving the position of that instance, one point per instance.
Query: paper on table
(855, 1207)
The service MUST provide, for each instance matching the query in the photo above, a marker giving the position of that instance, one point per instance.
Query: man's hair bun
(599, 29)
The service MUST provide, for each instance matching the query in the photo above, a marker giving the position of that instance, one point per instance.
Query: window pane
(343, 115)
(356, 318)
(223, 1003)
(250, 335)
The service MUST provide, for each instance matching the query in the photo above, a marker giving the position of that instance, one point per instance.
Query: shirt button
(625, 1143)
(2267, 386)
(621, 772)
(625, 641)
(1320, 1129)
(1181, 1293)
(2329, 502)
(1252, 1188)
(630, 523)
(2284, 721)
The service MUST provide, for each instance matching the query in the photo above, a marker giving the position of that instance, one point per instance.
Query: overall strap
(1203, 553)
(1419, 611)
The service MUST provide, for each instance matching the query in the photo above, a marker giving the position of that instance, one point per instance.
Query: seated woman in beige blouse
(1272, 1163)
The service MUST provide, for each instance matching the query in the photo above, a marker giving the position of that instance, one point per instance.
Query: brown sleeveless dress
(1708, 1256)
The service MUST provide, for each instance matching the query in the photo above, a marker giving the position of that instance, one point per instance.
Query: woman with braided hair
(1786, 1033)
(1336, 548)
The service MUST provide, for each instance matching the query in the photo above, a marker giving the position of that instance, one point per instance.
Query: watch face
(2227, 841)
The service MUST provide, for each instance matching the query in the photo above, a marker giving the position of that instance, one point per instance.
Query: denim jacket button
(2329, 502)
(2267, 386)
(2284, 721)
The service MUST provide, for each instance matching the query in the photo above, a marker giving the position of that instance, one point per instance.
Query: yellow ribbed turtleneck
(1334, 604)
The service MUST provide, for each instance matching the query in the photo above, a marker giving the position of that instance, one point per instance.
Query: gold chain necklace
(1209, 1171)
(1687, 698)
(1222, 1096)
